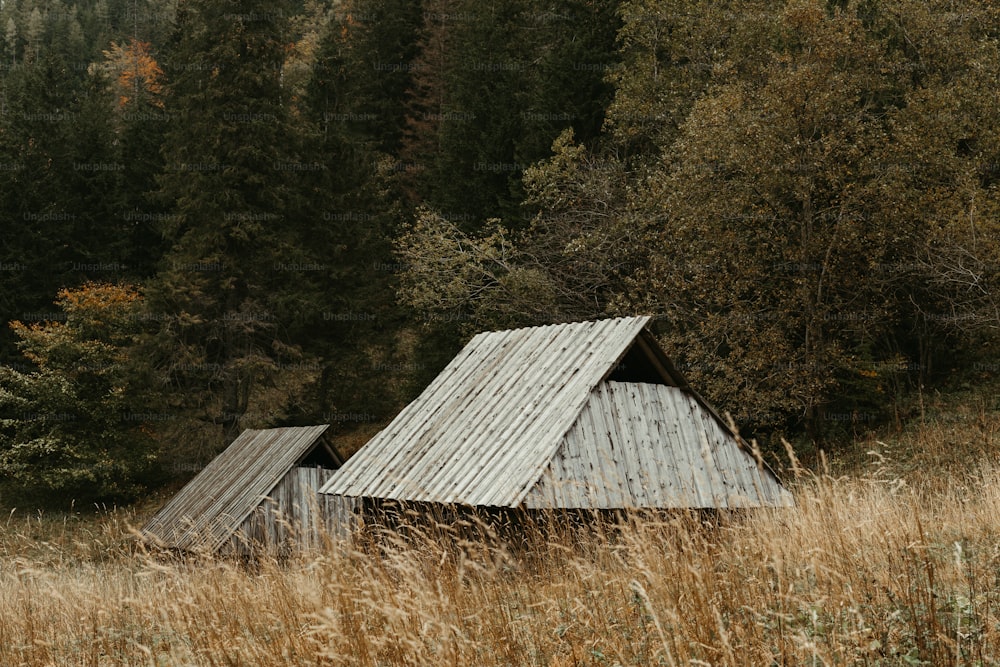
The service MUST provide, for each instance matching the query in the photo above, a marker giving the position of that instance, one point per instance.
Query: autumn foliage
(134, 71)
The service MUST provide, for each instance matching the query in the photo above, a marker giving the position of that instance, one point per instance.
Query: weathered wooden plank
(596, 473)
(651, 454)
(653, 449)
(606, 346)
(734, 465)
(515, 468)
(516, 388)
(415, 421)
(635, 459)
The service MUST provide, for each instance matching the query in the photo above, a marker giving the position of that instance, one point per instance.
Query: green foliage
(60, 184)
(581, 235)
(323, 200)
(804, 193)
(365, 70)
(478, 281)
(353, 116)
(794, 213)
(672, 53)
(509, 78)
(75, 427)
(569, 263)
(226, 289)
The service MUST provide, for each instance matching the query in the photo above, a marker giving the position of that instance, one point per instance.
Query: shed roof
(487, 429)
(211, 507)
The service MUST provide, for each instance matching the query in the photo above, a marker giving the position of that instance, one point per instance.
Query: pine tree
(354, 112)
(505, 81)
(59, 187)
(226, 290)
(10, 41)
(74, 427)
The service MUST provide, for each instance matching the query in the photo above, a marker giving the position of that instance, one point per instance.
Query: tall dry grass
(864, 570)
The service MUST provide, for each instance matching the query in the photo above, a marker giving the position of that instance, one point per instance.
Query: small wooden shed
(587, 415)
(260, 493)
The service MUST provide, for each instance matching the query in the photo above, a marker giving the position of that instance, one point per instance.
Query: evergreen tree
(363, 73)
(74, 428)
(474, 164)
(354, 112)
(136, 82)
(503, 81)
(226, 290)
(60, 183)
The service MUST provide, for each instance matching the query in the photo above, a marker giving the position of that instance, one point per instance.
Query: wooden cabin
(586, 415)
(259, 494)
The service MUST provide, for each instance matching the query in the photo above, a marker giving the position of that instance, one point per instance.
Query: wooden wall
(294, 517)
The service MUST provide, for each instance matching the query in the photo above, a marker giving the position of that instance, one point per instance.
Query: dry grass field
(893, 564)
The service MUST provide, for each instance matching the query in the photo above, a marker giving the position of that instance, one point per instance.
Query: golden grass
(863, 571)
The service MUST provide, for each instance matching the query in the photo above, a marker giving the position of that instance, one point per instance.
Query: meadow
(890, 557)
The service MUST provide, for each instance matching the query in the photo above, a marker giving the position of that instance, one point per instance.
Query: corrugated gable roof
(484, 430)
(205, 513)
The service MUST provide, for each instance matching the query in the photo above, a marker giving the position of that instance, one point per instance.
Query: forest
(220, 215)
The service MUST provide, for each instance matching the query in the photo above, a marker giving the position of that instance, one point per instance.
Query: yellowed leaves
(134, 70)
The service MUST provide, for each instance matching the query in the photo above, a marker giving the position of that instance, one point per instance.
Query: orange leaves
(97, 297)
(93, 312)
(135, 71)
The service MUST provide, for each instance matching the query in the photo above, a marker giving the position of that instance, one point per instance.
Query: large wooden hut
(587, 415)
(260, 493)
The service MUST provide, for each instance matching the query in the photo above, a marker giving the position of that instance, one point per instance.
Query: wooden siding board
(570, 489)
(752, 477)
(292, 517)
(644, 445)
(740, 487)
(560, 486)
(675, 488)
(618, 423)
(671, 485)
(729, 464)
(703, 462)
(557, 487)
(596, 474)
(672, 440)
(617, 446)
(649, 459)
(642, 466)
(747, 485)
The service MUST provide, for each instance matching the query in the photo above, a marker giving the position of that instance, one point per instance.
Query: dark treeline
(271, 213)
